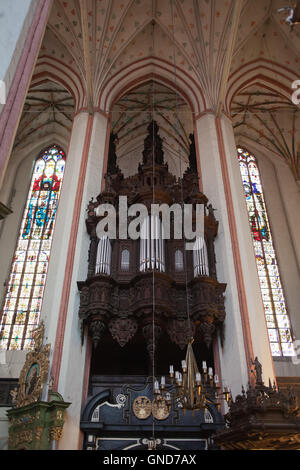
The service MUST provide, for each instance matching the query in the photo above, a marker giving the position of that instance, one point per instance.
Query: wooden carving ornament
(123, 300)
(123, 330)
(34, 372)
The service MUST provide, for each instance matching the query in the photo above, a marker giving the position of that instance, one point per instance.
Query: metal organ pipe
(162, 244)
(152, 254)
(152, 241)
(103, 256)
(200, 258)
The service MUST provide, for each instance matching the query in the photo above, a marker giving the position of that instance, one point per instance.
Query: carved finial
(192, 156)
(51, 383)
(112, 167)
(14, 393)
(38, 335)
(153, 143)
(258, 371)
(211, 211)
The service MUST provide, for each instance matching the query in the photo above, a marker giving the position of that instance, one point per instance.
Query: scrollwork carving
(178, 331)
(122, 330)
(96, 330)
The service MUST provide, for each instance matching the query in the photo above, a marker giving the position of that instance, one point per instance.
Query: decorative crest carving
(112, 167)
(35, 371)
(142, 407)
(123, 330)
(178, 331)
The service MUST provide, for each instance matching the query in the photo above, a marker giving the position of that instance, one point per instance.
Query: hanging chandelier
(190, 390)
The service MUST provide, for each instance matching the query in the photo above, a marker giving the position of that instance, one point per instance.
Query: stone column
(69, 264)
(245, 326)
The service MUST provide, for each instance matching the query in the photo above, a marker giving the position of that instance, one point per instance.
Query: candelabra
(192, 389)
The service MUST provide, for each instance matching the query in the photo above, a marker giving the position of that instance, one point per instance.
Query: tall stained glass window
(277, 319)
(22, 303)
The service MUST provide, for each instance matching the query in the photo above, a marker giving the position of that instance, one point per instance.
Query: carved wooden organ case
(119, 297)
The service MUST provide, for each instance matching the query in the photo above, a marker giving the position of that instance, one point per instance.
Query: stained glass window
(22, 303)
(277, 319)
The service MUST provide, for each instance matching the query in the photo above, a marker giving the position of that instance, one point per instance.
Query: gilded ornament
(35, 371)
(160, 410)
(23, 436)
(38, 433)
(142, 407)
(55, 433)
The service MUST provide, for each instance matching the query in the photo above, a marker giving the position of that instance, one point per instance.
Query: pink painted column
(61, 324)
(245, 326)
(70, 359)
(10, 116)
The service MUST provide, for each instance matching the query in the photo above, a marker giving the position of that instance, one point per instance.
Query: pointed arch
(277, 319)
(263, 72)
(53, 69)
(151, 68)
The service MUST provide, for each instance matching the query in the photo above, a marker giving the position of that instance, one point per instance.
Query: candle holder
(190, 390)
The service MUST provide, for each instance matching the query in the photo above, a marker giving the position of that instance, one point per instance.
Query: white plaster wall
(15, 19)
(259, 334)
(59, 250)
(58, 259)
(3, 428)
(11, 363)
(282, 198)
(290, 195)
(16, 187)
(232, 355)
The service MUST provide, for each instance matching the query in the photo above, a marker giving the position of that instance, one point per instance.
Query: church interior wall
(281, 191)
(73, 360)
(250, 280)
(213, 188)
(11, 363)
(15, 21)
(63, 226)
